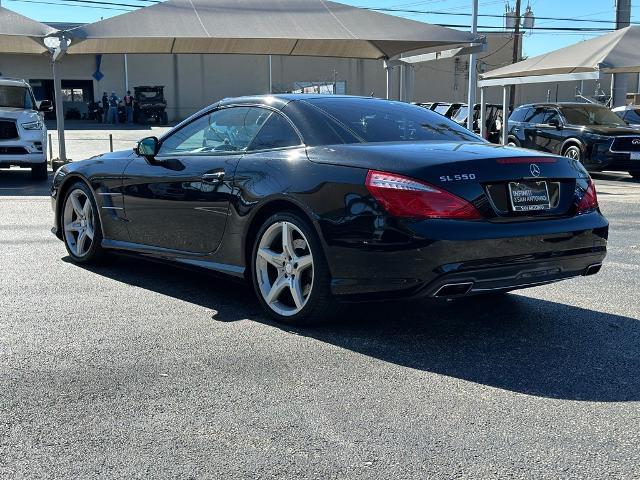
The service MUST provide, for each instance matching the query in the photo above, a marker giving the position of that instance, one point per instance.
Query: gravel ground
(142, 370)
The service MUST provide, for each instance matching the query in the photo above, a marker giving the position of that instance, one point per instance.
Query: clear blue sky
(534, 43)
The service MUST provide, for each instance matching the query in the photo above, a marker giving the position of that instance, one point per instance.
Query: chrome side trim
(112, 208)
(105, 194)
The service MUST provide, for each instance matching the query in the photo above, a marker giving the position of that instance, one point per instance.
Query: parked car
(589, 133)
(630, 114)
(446, 109)
(319, 198)
(426, 105)
(22, 130)
(493, 120)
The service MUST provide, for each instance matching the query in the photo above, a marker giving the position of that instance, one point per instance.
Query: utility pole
(516, 54)
(620, 80)
(473, 72)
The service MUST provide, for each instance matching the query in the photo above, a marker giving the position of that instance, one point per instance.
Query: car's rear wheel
(290, 274)
(39, 171)
(573, 152)
(513, 142)
(80, 225)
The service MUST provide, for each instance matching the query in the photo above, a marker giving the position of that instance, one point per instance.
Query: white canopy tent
(615, 52)
(267, 27)
(19, 34)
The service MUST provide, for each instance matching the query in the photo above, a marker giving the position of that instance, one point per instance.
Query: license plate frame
(537, 200)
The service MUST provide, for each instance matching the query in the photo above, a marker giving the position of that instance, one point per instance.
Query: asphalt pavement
(143, 370)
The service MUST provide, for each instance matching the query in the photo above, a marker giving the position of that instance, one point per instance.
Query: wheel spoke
(89, 231)
(276, 289)
(86, 210)
(296, 292)
(271, 257)
(304, 262)
(76, 204)
(73, 227)
(81, 243)
(287, 239)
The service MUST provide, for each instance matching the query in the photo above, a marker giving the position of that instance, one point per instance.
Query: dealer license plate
(529, 196)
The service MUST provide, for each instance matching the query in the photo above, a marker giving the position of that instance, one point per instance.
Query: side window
(551, 114)
(276, 133)
(225, 130)
(519, 115)
(535, 116)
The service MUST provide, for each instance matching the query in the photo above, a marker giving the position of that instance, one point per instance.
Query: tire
(39, 171)
(635, 174)
(315, 303)
(573, 152)
(165, 118)
(82, 218)
(513, 142)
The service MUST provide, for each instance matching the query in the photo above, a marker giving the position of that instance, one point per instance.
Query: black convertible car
(315, 198)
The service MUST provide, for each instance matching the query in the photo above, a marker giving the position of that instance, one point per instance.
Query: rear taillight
(406, 197)
(589, 199)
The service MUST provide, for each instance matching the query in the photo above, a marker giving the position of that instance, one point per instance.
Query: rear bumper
(485, 256)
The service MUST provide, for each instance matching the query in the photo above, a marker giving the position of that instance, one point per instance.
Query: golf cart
(149, 103)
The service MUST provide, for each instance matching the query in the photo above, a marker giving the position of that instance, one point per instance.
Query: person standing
(105, 107)
(113, 108)
(128, 106)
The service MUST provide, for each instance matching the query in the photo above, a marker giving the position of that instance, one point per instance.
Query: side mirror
(45, 106)
(148, 148)
(554, 122)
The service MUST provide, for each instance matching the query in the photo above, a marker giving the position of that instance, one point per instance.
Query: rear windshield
(16, 97)
(375, 120)
(590, 115)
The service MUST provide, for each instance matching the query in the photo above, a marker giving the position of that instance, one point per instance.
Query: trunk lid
(477, 172)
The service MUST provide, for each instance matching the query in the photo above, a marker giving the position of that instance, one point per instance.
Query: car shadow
(18, 182)
(614, 176)
(512, 342)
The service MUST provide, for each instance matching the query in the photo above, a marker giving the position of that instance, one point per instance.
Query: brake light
(406, 197)
(589, 200)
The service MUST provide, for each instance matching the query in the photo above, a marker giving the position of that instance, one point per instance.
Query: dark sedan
(315, 199)
(591, 134)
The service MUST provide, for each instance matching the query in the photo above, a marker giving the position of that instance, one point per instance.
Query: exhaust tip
(453, 289)
(592, 269)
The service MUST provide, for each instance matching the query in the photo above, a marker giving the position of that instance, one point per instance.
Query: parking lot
(142, 370)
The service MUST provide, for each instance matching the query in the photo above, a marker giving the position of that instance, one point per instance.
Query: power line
(434, 12)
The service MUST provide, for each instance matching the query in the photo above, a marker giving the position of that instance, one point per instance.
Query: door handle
(213, 177)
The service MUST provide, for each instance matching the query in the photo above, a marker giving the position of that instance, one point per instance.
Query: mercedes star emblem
(535, 170)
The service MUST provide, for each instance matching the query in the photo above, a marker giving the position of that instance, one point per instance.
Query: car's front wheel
(290, 274)
(573, 152)
(80, 225)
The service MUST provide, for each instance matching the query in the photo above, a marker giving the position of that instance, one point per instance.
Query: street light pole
(473, 72)
(516, 54)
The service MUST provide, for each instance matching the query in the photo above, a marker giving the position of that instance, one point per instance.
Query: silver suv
(22, 130)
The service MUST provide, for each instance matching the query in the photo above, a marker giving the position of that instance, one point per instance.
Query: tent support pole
(126, 73)
(270, 75)
(505, 114)
(389, 69)
(473, 72)
(57, 87)
(483, 121)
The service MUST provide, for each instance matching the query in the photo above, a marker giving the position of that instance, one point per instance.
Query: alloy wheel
(284, 268)
(572, 153)
(78, 223)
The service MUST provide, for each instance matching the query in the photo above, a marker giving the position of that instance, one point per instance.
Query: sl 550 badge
(457, 178)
